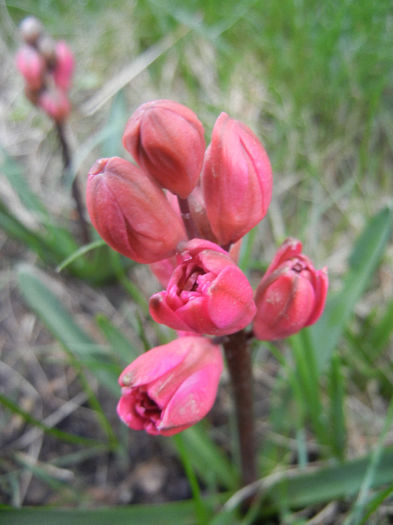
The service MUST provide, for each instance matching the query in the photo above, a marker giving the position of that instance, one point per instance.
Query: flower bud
(31, 29)
(32, 66)
(206, 294)
(236, 180)
(170, 387)
(130, 211)
(55, 103)
(166, 139)
(291, 294)
(64, 67)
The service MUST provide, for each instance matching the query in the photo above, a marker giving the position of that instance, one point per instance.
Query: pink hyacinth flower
(170, 387)
(32, 66)
(236, 180)
(64, 68)
(130, 211)
(206, 294)
(291, 294)
(55, 103)
(167, 140)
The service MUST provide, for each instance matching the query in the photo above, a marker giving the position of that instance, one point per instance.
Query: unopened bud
(31, 29)
(236, 180)
(130, 211)
(166, 140)
(32, 66)
(55, 103)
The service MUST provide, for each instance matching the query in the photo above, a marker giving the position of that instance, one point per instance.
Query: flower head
(170, 387)
(291, 294)
(207, 293)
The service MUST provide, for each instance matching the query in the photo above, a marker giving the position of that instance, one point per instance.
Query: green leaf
(62, 326)
(308, 383)
(59, 434)
(119, 342)
(18, 231)
(337, 418)
(355, 517)
(13, 172)
(365, 257)
(78, 253)
(114, 129)
(166, 514)
(207, 458)
(329, 483)
(379, 336)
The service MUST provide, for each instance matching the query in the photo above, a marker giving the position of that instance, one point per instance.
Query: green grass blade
(165, 514)
(58, 434)
(120, 344)
(295, 490)
(200, 509)
(114, 128)
(336, 397)
(358, 509)
(365, 257)
(381, 333)
(79, 253)
(375, 502)
(13, 172)
(60, 323)
(18, 231)
(307, 377)
(207, 458)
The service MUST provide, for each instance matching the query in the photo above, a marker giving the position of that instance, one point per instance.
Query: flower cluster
(47, 67)
(183, 209)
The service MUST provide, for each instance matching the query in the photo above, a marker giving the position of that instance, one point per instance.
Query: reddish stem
(191, 229)
(238, 358)
(76, 194)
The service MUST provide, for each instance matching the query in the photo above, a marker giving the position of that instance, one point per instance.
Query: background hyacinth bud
(32, 66)
(206, 294)
(130, 211)
(55, 103)
(166, 139)
(236, 180)
(291, 294)
(170, 387)
(64, 67)
(30, 29)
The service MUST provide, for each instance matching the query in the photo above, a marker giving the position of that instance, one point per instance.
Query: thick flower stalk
(206, 294)
(131, 212)
(291, 294)
(166, 140)
(170, 387)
